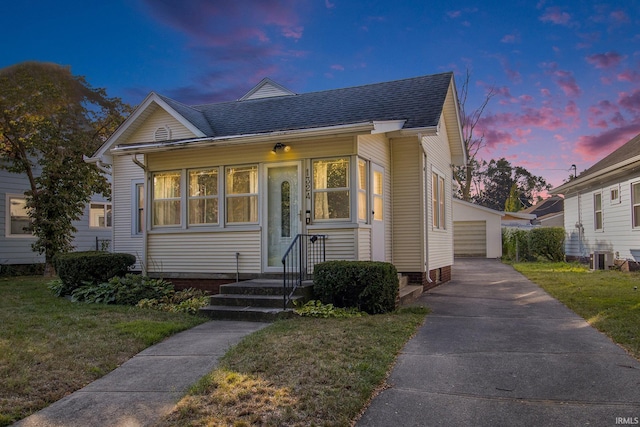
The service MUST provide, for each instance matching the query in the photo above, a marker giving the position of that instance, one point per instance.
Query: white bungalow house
(93, 229)
(602, 209)
(211, 191)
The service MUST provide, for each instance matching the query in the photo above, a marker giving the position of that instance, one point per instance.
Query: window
(203, 196)
(362, 190)
(138, 208)
(378, 195)
(166, 198)
(597, 209)
(331, 189)
(242, 194)
(19, 220)
(438, 200)
(635, 201)
(614, 193)
(100, 215)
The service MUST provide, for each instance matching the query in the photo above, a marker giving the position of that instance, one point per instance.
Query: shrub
(127, 290)
(188, 300)
(315, 308)
(93, 267)
(530, 245)
(368, 286)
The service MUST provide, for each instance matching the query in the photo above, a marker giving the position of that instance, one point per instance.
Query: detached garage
(476, 231)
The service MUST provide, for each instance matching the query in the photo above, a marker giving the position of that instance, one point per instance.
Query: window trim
(348, 189)
(438, 201)
(216, 197)
(227, 196)
(138, 229)
(596, 211)
(106, 205)
(618, 199)
(366, 191)
(8, 234)
(180, 199)
(634, 203)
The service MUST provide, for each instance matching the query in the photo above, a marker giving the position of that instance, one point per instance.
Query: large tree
(49, 119)
(505, 186)
(466, 176)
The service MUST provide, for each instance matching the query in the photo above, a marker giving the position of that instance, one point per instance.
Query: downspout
(425, 223)
(145, 243)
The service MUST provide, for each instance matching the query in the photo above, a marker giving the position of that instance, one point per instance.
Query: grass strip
(300, 372)
(50, 347)
(607, 300)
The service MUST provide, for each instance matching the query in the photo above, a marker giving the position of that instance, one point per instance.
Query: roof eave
(612, 171)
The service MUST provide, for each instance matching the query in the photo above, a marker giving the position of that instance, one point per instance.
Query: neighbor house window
(362, 190)
(203, 196)
(166, 198)
(242, 194)
(438, 200)
(597, 209)
(100, 215)
(19, 220)
(635, 200)
(331, 189)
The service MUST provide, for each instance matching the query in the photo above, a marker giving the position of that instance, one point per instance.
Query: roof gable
(267, 88)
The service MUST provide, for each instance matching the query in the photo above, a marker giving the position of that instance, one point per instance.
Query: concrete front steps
(408, 293)
(257, 300)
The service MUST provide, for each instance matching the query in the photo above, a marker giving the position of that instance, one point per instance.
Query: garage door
(470, 238)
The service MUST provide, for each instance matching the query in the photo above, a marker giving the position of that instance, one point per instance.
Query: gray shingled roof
(628, 150)
(417, 100)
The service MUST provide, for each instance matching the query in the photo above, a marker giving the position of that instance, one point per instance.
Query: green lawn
(301, 372)
(608, 300)
(50, 347)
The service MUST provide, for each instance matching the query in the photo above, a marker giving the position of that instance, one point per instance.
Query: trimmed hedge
(369, 286)
(91, 267)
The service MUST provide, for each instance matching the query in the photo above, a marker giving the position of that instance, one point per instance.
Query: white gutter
(99, 164)
(601, 174)
(241, 139)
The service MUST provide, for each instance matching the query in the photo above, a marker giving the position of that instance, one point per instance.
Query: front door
(378, 214)
(282, 212)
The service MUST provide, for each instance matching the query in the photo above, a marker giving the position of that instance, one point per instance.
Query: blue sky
(567, 73)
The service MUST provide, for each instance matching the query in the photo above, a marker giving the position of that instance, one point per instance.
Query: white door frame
(378, 243)
(296, 217)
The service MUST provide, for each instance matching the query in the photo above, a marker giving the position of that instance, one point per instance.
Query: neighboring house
(602, 208)
(477, 230)
(200, 191)
(518, 220)
(548, 212)
(93, 229)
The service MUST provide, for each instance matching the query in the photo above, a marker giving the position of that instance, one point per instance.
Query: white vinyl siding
(364, 244)
(408, 219)
(159, 119)
(340, 243)
(126, 175)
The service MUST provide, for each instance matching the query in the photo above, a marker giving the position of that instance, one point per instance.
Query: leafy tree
(49, 119)
(513, 202)
(497, 179)
(467, 175)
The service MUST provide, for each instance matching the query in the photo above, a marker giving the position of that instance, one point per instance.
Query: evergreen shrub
(90, 267)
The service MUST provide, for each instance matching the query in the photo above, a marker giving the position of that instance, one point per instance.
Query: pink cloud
(564, 79)
(631, 76)
(337, 67)
(619, 16)
(605, 60)
(593, 147)
(509, 38)
(630, 101)
(556, 16)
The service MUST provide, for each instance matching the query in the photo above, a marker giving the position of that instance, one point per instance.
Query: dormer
(267, 88)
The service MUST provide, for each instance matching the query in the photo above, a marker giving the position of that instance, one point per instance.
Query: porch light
(280, 146)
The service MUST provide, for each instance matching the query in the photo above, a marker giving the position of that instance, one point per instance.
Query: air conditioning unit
(601, 260)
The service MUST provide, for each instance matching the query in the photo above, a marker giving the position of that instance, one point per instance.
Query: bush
(317, 309)
(127, 290)
(185, 301)
(531, 245)
(92, 267)
(368, 286)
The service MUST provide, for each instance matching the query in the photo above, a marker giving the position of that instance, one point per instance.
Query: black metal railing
(303, 254)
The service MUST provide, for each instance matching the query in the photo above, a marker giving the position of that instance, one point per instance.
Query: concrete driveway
(499, 351)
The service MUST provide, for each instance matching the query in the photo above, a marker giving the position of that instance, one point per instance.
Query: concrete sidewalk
(499, 351)
(147, 386)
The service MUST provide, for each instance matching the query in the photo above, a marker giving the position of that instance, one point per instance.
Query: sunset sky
(567, 73)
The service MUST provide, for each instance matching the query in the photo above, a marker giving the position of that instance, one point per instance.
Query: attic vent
(163, 133)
